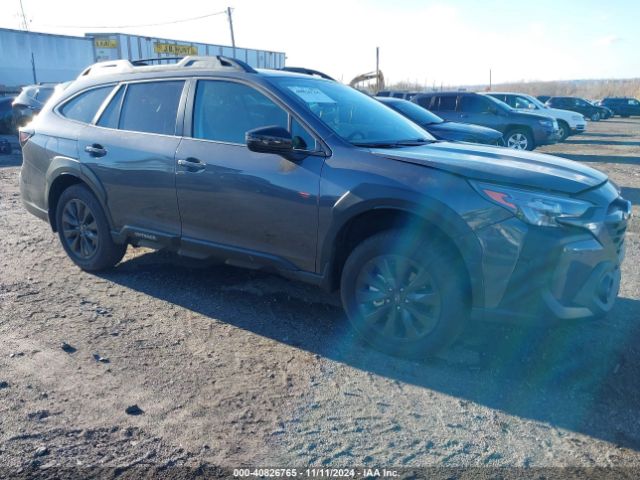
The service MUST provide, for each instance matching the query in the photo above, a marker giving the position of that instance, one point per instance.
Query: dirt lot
(231, 367)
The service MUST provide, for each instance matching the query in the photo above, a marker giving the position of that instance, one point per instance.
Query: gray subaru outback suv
(321, 183)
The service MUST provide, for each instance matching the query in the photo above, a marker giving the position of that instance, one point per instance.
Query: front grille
(617, 236)
(616, 222)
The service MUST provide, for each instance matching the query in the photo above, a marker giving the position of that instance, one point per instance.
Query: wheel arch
(365, 218)
(63, 173)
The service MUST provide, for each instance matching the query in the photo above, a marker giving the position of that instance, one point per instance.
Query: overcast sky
(452, 42)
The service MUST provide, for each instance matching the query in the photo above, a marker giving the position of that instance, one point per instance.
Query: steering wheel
(357, 135)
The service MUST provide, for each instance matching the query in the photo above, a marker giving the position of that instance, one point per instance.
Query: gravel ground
(229, 367)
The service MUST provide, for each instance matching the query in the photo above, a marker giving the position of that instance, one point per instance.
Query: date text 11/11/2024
(316, 472)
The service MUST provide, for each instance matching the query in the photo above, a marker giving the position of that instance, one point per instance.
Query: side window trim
(187, 124)
(58, 108)
(107, 101)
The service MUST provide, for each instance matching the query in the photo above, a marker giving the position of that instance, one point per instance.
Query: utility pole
(24, 18)
(33, 68)
(489, 79)
(233, 38)
(377, 69)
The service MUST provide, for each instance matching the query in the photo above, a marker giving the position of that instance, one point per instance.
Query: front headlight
(534, 208)
(577, 118)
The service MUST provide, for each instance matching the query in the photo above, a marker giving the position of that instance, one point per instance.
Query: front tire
(519, 139)
(403, 296)
(564, 131)
(84, 231)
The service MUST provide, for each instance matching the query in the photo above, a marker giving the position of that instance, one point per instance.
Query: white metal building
(33, 57)
(111, 46)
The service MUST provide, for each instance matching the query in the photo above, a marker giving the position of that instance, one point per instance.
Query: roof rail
(217, 62)
(308, 71)
(110, 66)
(142, 62)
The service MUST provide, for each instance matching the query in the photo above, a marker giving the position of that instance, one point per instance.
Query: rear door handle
(95, 150)
(192, 164)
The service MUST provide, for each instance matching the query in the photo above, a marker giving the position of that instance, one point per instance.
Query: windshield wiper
(399, 143)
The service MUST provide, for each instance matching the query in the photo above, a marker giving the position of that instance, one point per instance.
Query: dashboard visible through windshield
(352, 115)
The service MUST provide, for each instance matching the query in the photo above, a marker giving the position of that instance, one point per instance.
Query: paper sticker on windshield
(311, 95)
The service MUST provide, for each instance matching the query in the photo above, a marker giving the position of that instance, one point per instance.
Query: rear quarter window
(84, 106)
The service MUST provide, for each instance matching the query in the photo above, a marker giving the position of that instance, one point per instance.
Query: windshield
(352, 115)
(499, 103)
(536, 102)
(414, 112)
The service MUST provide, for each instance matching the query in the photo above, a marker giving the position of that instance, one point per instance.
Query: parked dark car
(605, 111)
(30, 101)
(441, 129)
(580, 105)
(569, 122)
(623, 106)
(7, 124)
(322, 183)
(5, 147)
(520, 130)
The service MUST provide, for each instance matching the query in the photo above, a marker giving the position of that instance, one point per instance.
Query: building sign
(105, 43)
(178, 50)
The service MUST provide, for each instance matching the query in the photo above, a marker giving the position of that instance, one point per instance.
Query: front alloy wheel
(518, 141)
(405, 295)
(595, 117)
(397, 298)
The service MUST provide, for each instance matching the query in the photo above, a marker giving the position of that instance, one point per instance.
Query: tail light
(24, 136)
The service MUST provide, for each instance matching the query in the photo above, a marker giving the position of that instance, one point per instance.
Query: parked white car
(569, 122)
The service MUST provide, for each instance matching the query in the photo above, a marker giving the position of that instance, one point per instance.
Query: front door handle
(192, 164)
(95, 150)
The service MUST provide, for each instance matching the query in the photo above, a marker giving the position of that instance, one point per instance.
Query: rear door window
(84, 107)
(474, 104)
(151, 107)
(447, 103)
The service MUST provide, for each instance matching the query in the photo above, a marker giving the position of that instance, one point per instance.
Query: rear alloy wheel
(84, 231)
(595, 117)
(519, 140)
(80, 229)
(404, 301)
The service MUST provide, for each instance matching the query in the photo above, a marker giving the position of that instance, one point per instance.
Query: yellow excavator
(362, 81)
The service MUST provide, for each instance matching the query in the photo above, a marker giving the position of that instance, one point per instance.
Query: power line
(24, 17)
(223, 12)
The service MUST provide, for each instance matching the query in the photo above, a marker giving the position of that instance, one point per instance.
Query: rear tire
(595, 117)
(519, 139)
(84, 231)
(405, 296)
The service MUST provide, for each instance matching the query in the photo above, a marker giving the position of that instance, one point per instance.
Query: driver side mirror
(273, 139)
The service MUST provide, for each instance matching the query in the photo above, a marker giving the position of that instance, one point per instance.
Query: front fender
(366, 198)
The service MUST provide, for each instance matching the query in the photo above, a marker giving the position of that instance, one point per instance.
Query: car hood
(501, 165)
(464, 128)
